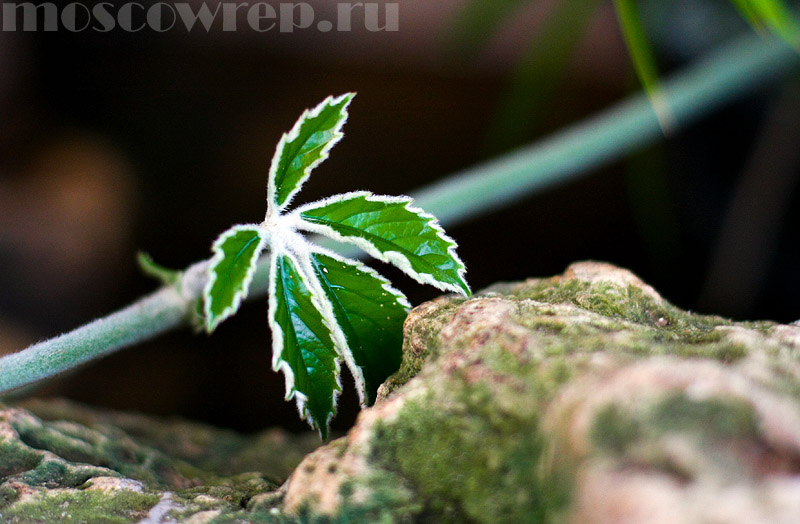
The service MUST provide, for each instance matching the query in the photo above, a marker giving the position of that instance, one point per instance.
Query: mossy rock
(61, 462)
(582, 398)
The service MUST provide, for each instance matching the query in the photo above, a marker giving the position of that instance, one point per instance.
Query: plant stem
(709, 83)
(715, 80)
(149, 316)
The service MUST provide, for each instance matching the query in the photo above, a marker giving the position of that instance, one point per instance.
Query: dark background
(118, 142)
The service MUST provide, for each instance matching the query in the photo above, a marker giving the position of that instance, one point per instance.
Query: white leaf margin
(288, 248)
(273, 209)
(355, 370)
(395, 258)
(219, 256)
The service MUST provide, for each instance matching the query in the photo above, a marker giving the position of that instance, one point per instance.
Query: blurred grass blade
(476, 22)
(538, 74)
(643, 61)
(749, 13)
(773, 14)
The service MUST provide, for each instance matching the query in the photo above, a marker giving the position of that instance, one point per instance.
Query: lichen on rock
(582, 398)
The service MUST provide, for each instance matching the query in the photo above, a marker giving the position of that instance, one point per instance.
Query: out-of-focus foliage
(772, 14)
(542, 66)
(642, 56)
(477, 21)
(540, 69)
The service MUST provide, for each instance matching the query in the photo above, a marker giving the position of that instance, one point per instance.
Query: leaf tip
(323, 432)
(348, 97)
(210, 322)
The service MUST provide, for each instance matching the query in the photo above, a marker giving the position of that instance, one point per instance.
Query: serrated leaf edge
(280, 233)
(273, 209)
(347, 354)
(212, 323)
(280, 365)
(393, 257)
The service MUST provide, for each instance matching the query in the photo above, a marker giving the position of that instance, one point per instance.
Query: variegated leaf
(370, 314)
(302, 342)
(230, 272)
(303, 148)
(392, 230)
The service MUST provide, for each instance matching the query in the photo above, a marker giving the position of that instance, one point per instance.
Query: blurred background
(117, 142)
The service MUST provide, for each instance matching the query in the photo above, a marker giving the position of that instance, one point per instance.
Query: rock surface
(60, 462)
(581, 398)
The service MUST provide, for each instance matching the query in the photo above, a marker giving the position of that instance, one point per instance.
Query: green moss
(58, 474)
(17, 458)
(427, 332)
(725, 352)
(76, 444)
(784, 381)
(346, 490)
(475, 465)
(719, 418)
(559, 372)
(614, 430)
(613, 301)
(389, 502)
(164, 454)
(255, 517)
(602, 298)
(40, 436)
(7, 495)
(765, 327)
(236, 491)
(698, 344)
(652, 326)
(539, 319)
(80, 507)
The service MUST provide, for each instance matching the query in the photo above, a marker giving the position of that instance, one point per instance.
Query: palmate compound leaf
(303, 344)
(370, 314)
(230, 272)
(323, 308)
(303, 148)
(389, 229)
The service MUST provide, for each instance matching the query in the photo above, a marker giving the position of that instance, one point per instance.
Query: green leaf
(370, 314)
(391, 230)
(773, 14)
(231, 270)
(643, 60)
(302, 343)
(303, 148)
(748, 13)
